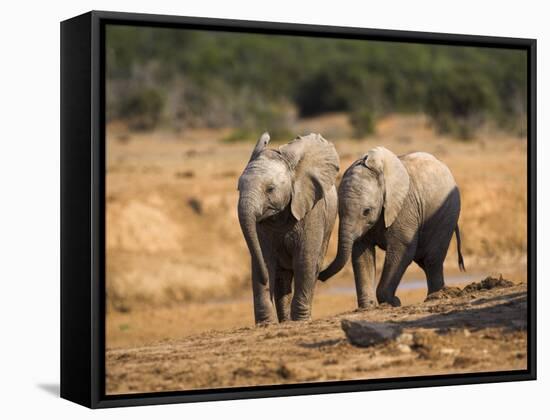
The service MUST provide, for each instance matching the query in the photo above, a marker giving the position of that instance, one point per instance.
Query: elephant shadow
(510, 313)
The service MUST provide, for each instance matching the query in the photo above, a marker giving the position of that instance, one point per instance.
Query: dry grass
(172, 229)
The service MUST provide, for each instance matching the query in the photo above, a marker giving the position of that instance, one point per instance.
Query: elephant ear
(396, 180)
(315, 164)
(261, 144)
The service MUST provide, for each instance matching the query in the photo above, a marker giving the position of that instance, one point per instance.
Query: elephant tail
(460, 258)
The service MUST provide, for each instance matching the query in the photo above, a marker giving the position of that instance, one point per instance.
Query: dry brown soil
(459, 331)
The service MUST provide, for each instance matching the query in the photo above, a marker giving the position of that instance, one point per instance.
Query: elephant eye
(270, 189)
(366, 212)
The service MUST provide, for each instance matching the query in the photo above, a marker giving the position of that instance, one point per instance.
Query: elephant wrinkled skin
(409, 207)
(287, 210)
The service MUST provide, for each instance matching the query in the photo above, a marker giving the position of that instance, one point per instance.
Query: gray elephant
(287, 210)
(407, 206)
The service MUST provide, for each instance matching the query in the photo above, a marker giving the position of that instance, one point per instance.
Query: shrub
(276, 118)
(142, 108)
(217, 79)
(363, 121)
(458, 102)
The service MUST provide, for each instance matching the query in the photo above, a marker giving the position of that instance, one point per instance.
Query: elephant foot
(264, 315)
(265, 323)
(391, 300)
(283, 315)
(265, 319)
(301, 317)
(300, 312)
(366, 306)
(432, 290)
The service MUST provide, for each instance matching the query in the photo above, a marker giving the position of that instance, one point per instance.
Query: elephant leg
(434, 275)
(304, 283)
(283, 294)
(263, 306)
(398, 258)
(364, 272)
(306, 271)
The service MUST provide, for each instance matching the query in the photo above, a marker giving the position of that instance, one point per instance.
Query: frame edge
(86, 390)
(76, 200)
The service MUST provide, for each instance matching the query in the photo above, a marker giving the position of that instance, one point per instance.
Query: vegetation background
(182, 79)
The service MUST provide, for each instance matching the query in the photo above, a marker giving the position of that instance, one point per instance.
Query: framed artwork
(256, 209)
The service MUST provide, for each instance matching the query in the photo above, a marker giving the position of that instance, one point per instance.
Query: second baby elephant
(409, 207)
(287, 209)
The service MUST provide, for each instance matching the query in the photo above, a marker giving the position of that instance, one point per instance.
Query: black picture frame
(83, 208)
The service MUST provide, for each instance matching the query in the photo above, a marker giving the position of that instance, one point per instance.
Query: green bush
(276, 118)
(363, 121)
(142, 108)
(321, 93)
(220, 79)
(460, 101)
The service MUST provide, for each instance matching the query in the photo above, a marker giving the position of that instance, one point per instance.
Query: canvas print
(286, 209)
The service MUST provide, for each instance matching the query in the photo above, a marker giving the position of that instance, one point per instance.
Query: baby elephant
(409, 207)
(287, 209)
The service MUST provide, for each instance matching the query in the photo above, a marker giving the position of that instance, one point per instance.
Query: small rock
(423, 338)
(467, 332)
(365, 333)
(185, 174)
(285, 372)
(449, 352)
(195, 205)
(405, 338)
(463, 362)
(243, 372)
(404, 348)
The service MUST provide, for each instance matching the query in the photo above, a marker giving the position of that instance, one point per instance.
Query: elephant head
(295, 175)
(372, 187)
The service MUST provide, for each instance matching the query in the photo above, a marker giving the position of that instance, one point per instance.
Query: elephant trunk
(345, 245)
(247, 219)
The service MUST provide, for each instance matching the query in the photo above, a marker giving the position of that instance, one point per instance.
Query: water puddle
(410, 284)
(406, 285)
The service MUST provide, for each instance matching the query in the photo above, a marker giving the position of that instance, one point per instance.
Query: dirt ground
(179, 306)
(145, 325)
(459, 331)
